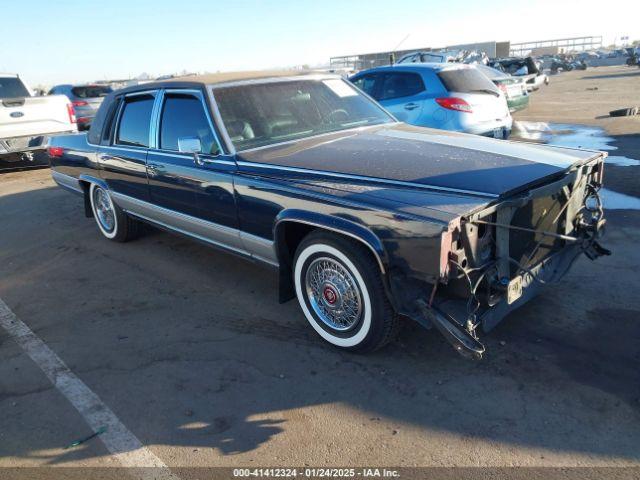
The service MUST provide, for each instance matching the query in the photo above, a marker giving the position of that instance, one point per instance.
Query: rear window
(134, 121)
(466, 80)
(93, 91)
(12, 87)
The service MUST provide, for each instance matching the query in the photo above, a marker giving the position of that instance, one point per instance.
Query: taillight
(80, 103)
(453, 103)
(55, 151)
(503, 87)
(72, 113)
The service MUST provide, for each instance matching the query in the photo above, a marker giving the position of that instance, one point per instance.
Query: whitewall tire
(112, 221)
(339, 288)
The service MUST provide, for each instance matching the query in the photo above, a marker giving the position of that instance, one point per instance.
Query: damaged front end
(496, 259)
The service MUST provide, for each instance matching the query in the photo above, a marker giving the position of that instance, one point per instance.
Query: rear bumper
(488, 128)
(518, 103)
(28, 143)
(22, 144)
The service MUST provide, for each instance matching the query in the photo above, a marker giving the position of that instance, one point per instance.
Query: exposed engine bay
(496, 259)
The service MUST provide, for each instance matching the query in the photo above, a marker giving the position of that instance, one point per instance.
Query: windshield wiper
(487, 90)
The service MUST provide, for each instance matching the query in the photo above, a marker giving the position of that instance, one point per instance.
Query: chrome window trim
(157, 119)
(367, 179)
(154, 128)
(116, 134)
(218, 119)
(126, 149)
(189, 157)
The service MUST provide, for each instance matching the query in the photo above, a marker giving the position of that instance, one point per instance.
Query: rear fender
(86, 181)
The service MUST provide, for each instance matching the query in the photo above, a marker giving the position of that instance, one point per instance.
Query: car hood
(422, 157)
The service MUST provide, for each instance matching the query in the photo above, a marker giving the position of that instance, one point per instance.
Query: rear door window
(400, 84)
(183, 115)
(135, 120)
(466, 80)
(12, 87)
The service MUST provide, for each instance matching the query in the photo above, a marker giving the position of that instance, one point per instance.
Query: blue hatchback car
(448, 96)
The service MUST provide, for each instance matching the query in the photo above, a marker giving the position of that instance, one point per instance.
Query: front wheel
(340, 290)
(112, 221)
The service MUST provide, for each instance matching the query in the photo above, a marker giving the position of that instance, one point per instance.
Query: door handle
(154, 168)
(411, 106)
(103, 157)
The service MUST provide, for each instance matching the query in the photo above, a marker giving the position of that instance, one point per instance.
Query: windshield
(92, 91)
(266, 113)
(466, 80)
(12, 87)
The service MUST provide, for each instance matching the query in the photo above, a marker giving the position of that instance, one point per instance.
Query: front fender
(331, 223)
(334, 224)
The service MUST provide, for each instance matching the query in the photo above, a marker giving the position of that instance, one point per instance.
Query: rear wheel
(339, 288)
(112, 221)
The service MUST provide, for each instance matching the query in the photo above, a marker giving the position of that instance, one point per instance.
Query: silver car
(86, 99)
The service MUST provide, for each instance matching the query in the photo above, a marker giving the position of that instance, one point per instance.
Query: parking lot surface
(190, 350)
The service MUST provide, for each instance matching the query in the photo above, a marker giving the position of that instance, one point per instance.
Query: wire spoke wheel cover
(104, 209)
(333, 294)
(105, 212)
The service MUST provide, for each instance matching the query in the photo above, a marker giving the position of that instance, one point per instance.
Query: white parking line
(121, 443)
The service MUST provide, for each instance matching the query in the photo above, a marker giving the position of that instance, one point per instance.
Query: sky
(68, 41)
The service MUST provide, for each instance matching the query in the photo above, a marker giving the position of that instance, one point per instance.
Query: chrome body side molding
(212, 233)
(67, 181)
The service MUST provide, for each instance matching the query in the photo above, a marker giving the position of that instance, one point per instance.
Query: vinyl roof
(213, 78)
(190, 81)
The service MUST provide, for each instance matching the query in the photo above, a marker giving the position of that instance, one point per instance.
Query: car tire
(340, 291)
(112, 221)
(624, 112)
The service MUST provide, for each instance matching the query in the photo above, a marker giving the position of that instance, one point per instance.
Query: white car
(26, 122)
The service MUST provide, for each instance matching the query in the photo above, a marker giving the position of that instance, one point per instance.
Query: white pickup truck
(26, 122)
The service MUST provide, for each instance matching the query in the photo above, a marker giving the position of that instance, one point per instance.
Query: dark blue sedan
(367, 221)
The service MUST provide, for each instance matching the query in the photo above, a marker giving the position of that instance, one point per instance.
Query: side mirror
(189, 145)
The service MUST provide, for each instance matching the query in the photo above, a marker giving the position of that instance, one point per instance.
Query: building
(558, 45)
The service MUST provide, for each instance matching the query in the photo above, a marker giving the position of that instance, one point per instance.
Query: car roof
(418, 67)
(226, 78)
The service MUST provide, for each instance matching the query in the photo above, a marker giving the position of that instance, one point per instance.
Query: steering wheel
(338, 115)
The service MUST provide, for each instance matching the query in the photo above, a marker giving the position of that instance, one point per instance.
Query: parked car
(448, 96)
(86, 100)
(366, 220)
(514, 88)
(27, 121)
(527, 68)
